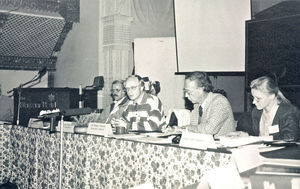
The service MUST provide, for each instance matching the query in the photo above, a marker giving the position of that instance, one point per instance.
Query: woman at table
(273, 113)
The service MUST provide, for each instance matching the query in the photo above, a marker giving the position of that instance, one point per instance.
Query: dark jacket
(286, 117)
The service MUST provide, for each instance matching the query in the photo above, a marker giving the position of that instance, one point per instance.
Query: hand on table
(174, 129)
(118, 122)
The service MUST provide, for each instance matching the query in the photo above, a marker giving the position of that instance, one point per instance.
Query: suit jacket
(113, 111)
(217, 118)
(286, 117)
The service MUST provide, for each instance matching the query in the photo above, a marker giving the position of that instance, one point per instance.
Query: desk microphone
(67, 112)
(77, 111)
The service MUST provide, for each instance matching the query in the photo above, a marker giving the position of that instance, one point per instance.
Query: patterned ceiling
(28, 35)
(32, 32)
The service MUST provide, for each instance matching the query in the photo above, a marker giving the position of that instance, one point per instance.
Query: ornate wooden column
(117, 44)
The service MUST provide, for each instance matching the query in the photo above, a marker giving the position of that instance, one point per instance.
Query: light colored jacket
(217, 118)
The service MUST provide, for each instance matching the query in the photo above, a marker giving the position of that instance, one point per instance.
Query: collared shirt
(203, 105)
(115, 110)
(266, 120)
(116, 104)
(195, 114)
(286, 117)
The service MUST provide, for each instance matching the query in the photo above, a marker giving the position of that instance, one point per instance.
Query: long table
(30, 158)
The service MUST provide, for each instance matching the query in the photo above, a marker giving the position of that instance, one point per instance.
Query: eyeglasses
(256, 99)
(131, 88)
(116, 90)
(188, 91)
(260, 98)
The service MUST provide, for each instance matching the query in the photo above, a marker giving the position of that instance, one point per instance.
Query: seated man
(212, 113)
(144, 111)
(120, 101)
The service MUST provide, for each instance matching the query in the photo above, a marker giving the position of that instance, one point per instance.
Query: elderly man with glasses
(212, 113)
(144, 111)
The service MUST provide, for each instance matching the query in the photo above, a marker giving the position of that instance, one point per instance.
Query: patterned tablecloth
(30, 158)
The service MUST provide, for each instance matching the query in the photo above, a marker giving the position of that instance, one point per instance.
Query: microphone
(77, 111)
(42, 72)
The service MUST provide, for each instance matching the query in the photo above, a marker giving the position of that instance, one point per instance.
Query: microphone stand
(68, 112)
(61, 150)
(53, 116)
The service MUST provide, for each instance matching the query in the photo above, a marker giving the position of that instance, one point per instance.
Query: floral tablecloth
(4, 153)
(30, 158)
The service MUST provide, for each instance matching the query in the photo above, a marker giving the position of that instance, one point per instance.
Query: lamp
(97, 84)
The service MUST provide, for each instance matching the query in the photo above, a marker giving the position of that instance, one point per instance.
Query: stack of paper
(127, 136)
(241, 141)
(155, 140)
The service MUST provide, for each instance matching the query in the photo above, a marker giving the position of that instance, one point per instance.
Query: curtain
(152, 18)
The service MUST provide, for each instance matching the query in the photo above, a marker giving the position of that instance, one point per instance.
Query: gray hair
(202, 80)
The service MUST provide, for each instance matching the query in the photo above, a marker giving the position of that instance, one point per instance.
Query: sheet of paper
(246, 158)
(197, 140)
(161, 135)
(266, 148)
(222, 177)
(35, 123)
(241, 141)
(99, 129)
(155, 140)
(283, 162)
(127, 136)
(68, 126)
(182, 115)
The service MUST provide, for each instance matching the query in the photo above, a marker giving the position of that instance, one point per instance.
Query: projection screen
(210, 34)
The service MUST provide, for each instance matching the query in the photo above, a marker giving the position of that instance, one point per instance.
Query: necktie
(112, 106)
(200, 111)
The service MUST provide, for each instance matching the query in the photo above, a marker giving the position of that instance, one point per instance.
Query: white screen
(156, 58)
(210, 34)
